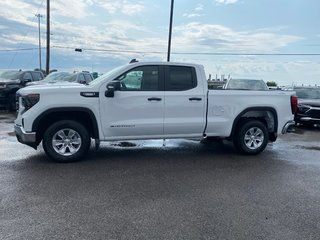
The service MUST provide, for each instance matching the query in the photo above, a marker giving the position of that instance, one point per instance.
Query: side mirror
(25, 81)
(112, 87)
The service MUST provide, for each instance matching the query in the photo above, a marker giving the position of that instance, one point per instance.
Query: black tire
(66, 141)
(251, 138)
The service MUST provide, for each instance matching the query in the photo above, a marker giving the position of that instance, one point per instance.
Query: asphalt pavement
(177, 189)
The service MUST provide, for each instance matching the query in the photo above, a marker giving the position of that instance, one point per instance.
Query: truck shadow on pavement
(179, 152)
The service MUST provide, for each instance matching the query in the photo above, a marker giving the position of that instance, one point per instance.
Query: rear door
(136, 111)
(185, 102)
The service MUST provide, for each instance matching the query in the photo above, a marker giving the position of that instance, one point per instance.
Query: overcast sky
(201, 27)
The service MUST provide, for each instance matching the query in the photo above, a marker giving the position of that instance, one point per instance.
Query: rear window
(308, 93)
(246, 84)
(10, 75)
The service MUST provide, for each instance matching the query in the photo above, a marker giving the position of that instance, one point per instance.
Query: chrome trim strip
(309, 119)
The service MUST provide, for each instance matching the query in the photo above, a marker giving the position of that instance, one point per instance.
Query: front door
(137, 110)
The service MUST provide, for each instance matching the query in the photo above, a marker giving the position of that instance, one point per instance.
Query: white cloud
(192, 15)
(199, 7)
(131, 9)
(115, 35)
(71, 8)
(196, 13)
(122, 6)
(208, 37)
(18, 11)
(226, 2)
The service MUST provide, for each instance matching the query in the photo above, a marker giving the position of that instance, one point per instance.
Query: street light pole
(39, 16)
(170, 31)
(48, 38)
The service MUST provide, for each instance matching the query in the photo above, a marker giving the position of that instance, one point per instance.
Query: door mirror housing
(25, 81)
(112, 87)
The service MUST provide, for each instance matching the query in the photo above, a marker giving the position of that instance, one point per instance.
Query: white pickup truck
(156, 100)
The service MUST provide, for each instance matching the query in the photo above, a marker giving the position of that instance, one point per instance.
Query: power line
(159, 52)
(110, 50)
(249, 54)
(18, 49)
(191, 53)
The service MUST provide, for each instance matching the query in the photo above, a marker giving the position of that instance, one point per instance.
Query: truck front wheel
(252, 137)
(66, 141)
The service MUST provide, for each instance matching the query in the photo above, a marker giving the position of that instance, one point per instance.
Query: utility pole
(170, 31)
(39, 16)
(48, 38)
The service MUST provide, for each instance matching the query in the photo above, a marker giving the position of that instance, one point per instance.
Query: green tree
(272, 84)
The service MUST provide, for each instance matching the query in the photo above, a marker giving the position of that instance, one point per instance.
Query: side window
(88, 78)
(27, 77)
(145, 78)
(180, 78)
(36, 76)
(81, 78)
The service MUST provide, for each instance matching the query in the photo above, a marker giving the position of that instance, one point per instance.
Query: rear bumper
(28, 138)
(287, 126)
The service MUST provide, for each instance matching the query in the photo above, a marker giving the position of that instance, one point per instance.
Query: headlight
(3, 85)
(28, 101)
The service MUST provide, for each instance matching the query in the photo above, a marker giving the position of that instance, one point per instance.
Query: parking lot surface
(177, 189)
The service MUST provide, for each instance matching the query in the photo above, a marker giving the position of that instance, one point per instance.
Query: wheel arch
(267, 115)
(82, 115)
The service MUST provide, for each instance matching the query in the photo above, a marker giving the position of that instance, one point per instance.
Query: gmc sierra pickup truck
(148, 101)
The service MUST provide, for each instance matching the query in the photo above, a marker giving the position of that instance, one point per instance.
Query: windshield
(107, 75)
(60, 76)
(247, 84)
(10, 75)
(308, 93)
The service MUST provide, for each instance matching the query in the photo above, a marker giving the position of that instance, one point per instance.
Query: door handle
(154, 99)
(195, 99)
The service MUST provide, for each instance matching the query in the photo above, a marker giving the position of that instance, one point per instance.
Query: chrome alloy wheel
(253, 138)
(66, 142)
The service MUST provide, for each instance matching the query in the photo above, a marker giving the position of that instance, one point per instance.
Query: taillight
(294, 104)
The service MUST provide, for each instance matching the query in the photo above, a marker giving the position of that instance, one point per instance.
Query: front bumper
(3, 98)
(287, 126)
(306, 119)
(28, 138)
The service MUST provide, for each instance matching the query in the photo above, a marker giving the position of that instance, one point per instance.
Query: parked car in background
(246, 84)
(11, 81)
(309, 106)
(59, 77)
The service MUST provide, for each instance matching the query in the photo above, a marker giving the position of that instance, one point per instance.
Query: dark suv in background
(64, 77)
(11, 81)
(309, 106)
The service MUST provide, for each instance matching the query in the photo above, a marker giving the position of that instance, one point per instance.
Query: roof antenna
(133, 60)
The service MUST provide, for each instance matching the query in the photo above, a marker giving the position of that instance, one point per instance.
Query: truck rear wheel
(252, 137)
(66, 141)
